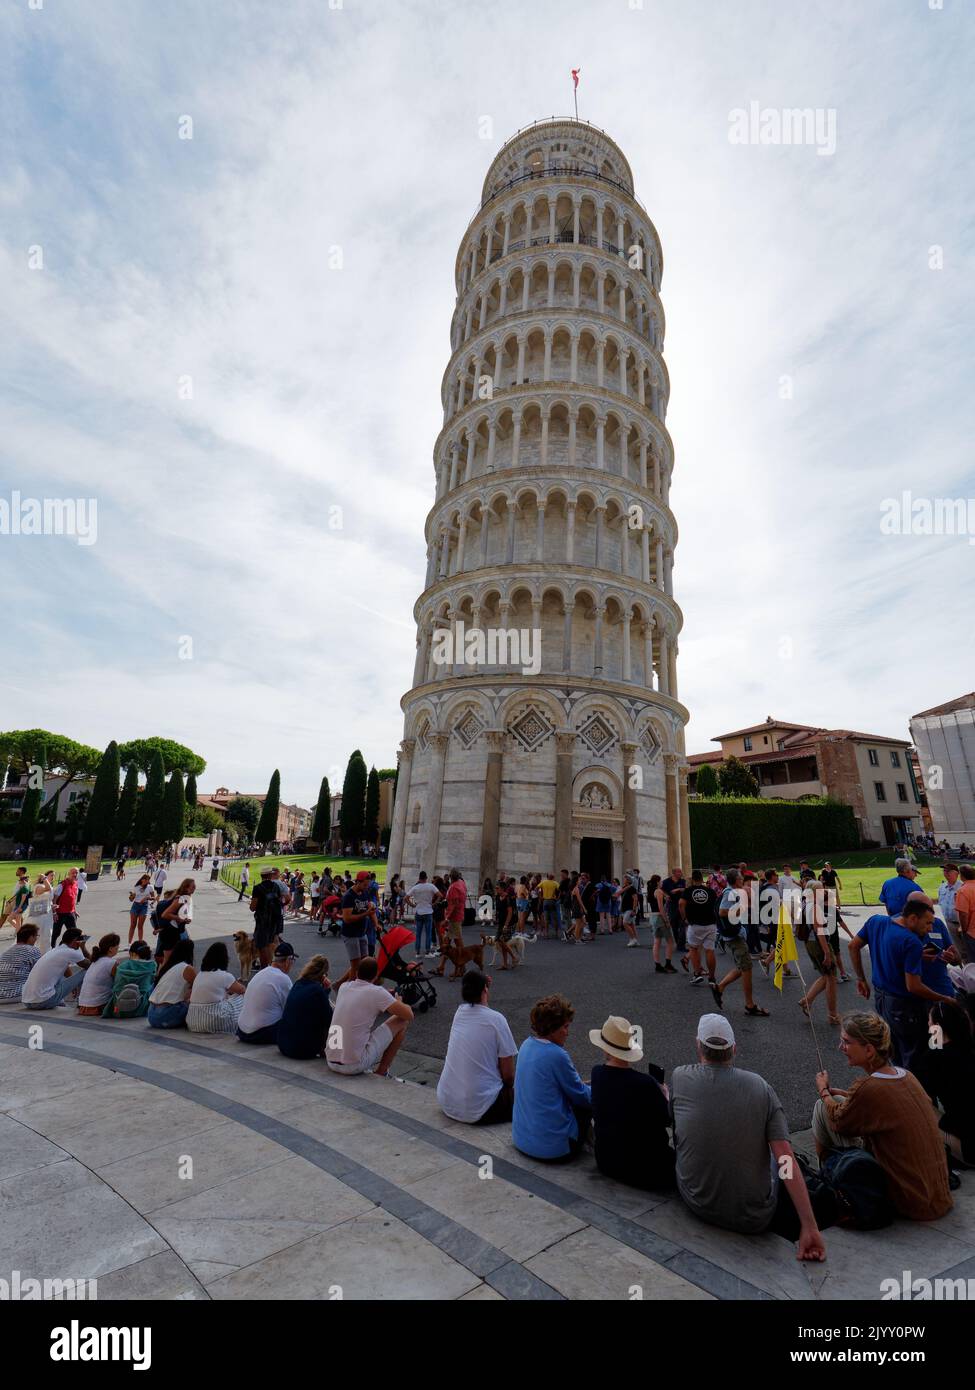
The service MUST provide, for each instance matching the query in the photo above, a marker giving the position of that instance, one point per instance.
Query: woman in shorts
(139, 898)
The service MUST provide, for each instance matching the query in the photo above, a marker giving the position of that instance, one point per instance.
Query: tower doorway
(596, 857)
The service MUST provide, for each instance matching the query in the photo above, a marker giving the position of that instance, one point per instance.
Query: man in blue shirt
(553, 1105)
(902, 997)
(896, 891)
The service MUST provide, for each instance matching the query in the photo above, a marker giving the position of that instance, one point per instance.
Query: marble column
(568, 610)
(565, 745)
(491, 812)
(631, 823)
(671, 763)
(434, 802)
(397, 832)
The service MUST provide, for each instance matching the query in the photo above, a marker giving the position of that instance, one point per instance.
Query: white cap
(715, 1031)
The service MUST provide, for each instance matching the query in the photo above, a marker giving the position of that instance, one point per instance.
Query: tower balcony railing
(559, 171)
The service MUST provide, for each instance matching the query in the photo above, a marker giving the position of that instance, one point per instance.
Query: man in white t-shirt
(265, 998)
(54, 977)
(424, 895)
(477, 1082)
(159, 880)
(245, 878)
(354, 1045)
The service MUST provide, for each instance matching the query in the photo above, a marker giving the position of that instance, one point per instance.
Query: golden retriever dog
(247, 954)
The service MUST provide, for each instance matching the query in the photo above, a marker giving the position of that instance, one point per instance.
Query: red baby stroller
(412, 983)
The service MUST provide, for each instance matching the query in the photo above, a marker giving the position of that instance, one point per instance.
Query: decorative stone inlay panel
(468, 728)
(651, 743)
(597, 733)
(530, 729)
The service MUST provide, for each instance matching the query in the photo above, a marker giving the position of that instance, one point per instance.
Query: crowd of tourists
(891, 1141)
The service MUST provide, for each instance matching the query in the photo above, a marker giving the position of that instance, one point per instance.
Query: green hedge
(726, 829)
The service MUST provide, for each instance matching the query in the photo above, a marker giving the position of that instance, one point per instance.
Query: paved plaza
(178, 1166)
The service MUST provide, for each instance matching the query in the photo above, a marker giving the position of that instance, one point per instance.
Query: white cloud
(316, 388)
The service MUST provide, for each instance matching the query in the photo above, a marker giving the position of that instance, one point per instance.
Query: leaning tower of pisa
(543, 728)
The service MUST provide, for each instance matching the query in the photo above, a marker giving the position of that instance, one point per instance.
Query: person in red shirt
(456, 904)
(67, 903)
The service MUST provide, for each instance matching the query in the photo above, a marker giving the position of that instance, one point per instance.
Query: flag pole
(575, 97)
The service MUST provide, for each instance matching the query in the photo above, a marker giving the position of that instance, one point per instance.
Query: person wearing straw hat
(735, 1165)
(630, 1112)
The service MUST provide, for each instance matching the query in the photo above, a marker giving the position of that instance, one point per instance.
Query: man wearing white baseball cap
(629, 1111)
(735, 1165)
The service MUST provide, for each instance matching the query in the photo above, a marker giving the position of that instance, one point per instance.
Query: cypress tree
(103, 806)
(190, 795)
(125, 815)
(707, 781)
(172, 819)
(322, 825)
(267, 826)
(150, 802)
(371, 827)
(353, 813)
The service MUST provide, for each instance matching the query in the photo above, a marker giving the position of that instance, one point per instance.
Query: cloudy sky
(256, 424)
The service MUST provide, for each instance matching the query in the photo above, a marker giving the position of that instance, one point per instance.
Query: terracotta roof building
(872, 773)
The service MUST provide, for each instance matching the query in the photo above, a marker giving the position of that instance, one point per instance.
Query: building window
(895, 759)
(901, 791)
(765, 738)
(748, 745)
(874, 757)
(416, 819)
(879, 792)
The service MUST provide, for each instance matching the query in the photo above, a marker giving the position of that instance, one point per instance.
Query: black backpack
(860, 1186)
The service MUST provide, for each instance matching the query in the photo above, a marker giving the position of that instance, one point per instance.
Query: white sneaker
(631, 943)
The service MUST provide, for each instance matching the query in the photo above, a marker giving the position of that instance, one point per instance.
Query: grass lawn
(9, 867)
(306, 862)
(862, 872)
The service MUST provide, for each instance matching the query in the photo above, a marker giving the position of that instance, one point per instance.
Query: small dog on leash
(513, 948)
(459, 955)
(248, 955)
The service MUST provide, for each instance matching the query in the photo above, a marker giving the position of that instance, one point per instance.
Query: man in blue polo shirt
(896, 946)
(896, 891)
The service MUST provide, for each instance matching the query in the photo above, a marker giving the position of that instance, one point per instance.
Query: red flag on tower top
(575, 88)
(575, 76)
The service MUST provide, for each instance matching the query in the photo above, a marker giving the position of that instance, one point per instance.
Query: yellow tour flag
(785, 944)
